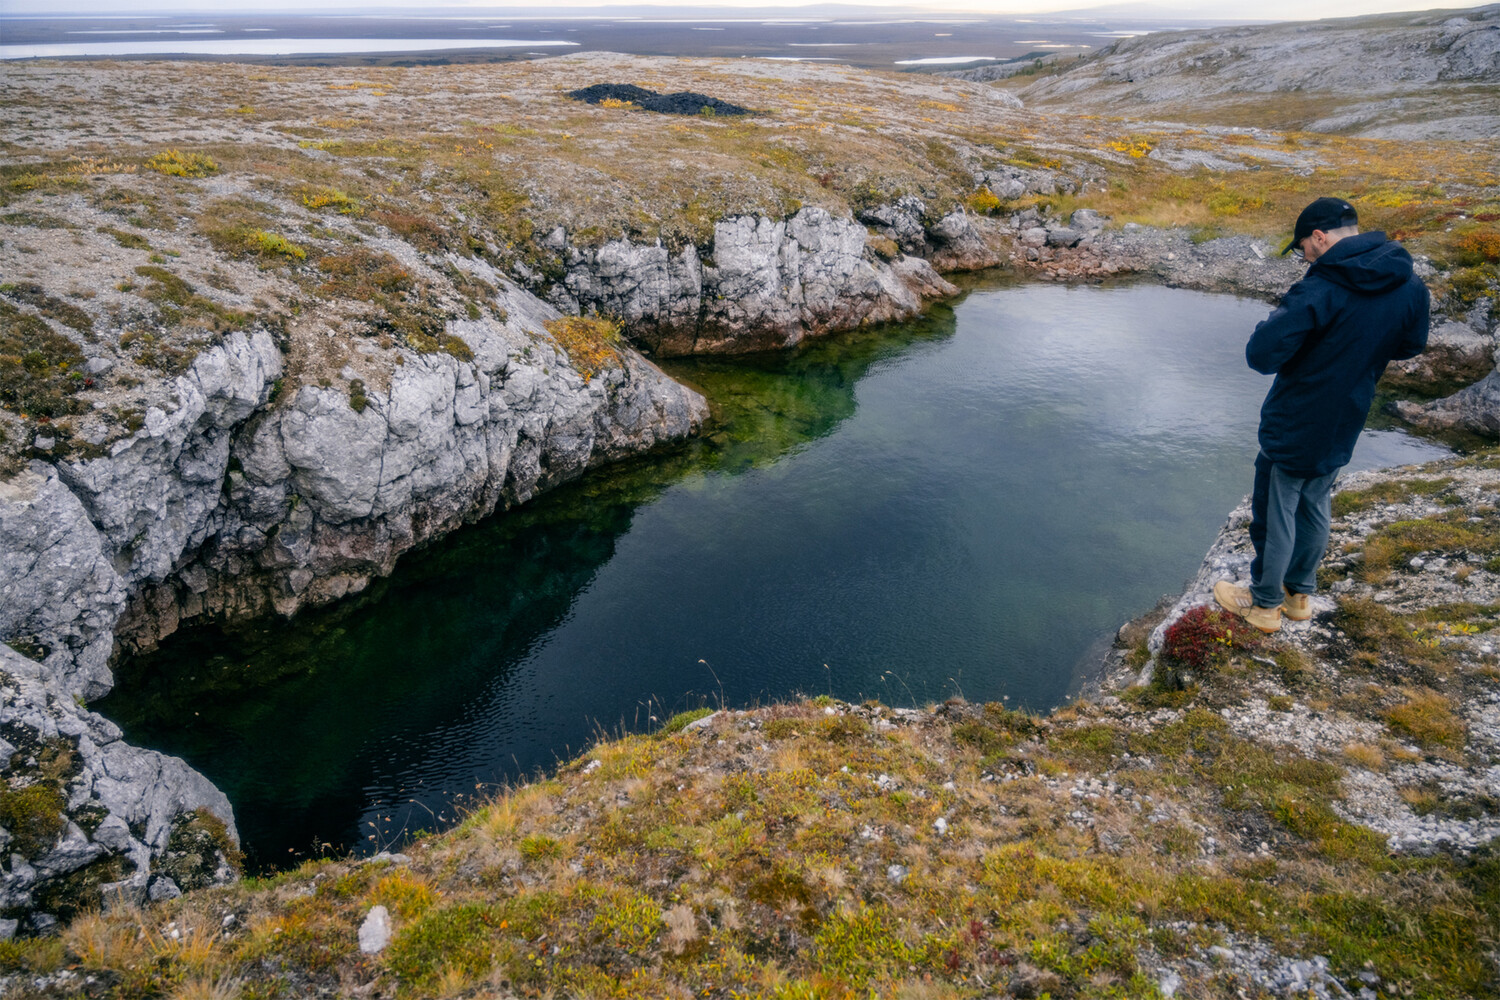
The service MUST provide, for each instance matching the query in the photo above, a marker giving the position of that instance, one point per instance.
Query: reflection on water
(962, 504)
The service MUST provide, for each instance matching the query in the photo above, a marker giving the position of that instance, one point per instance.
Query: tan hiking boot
(1237, 600)
(1297, 607)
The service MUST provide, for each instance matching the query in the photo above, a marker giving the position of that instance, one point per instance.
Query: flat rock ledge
(1421, 642)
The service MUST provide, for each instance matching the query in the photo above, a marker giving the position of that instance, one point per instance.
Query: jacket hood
(1368, 263)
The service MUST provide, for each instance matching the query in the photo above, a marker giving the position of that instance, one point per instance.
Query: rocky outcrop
(951, 242)
(1456, 353)
(1475, 409)
(87, 820)
(1383, 76)
(222, 502)
(79, 536)
(1339, 653)
(325, 496)
(762, 284)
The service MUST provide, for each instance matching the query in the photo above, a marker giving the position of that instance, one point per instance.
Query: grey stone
(901, 220)
(375, 931)
(1085, 219)
(767, 284)
(1475, 409)
(1063, 237)
(163, 889)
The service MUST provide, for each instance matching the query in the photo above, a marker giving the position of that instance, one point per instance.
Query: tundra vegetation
(1125, 846)
(341, 207)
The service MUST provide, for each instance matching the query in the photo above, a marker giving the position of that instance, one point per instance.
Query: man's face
(1312, 246)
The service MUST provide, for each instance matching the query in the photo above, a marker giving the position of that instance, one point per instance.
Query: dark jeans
(1289, 520)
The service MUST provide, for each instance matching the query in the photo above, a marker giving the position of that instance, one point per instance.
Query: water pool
(965, 504)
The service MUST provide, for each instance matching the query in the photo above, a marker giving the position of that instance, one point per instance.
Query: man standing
(1359, 307)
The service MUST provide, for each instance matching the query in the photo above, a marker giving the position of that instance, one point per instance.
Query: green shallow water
(966, 504)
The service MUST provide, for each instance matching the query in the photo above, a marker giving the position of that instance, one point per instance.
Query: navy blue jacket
(1359, 307)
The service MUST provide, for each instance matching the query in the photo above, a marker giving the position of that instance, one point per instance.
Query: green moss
(178, 302)
(1377, 632)
(49, 306)
(1428, 718)
(1391, 491)
(34, 816)
(130, 241)
(357, 398)
(541, 848)
(629, 921)
(34, 220)
(460, 938)
(863, 946)
(679, 721)
(77, 892)
(198, 847)
(176, 163)
(1089, 745)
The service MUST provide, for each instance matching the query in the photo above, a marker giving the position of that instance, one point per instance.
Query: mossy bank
(1310, 814)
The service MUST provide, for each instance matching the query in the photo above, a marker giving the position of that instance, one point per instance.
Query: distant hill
(1425, 75)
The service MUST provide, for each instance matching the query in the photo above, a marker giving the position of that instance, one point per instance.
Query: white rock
(375, 932)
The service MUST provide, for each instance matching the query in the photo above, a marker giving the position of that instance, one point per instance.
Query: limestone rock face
(78, 536)
(327, 497)
(59, 591)
(223, 501)
(764, 284)
(89, 820)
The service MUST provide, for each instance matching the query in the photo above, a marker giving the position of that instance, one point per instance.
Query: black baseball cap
(1324, 214)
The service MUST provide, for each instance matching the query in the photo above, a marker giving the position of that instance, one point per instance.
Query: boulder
(1475, 409)
(1086, 219)
(1062, 236)
(901, 221)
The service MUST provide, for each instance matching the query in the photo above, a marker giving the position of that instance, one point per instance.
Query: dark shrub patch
(684, 102)
(39, 369)
(1205, 636)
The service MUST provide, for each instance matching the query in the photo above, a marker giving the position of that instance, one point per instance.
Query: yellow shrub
(982, 201)
(1227, 202)
(176, 163)
(589, 342)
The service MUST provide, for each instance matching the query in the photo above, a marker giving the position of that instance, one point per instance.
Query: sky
(1209, 9)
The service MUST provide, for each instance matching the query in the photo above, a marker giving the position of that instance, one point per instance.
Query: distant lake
(870, 40)
(967, 504)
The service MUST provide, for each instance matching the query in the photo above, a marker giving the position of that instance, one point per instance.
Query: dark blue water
(962, 505)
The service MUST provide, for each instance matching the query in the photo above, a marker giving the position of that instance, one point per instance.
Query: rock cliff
(228, 492)
(764, 284)
(1392, 76)
(89, 819)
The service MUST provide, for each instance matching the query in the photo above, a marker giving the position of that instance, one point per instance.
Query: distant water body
(966, 504)
(906, 42)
